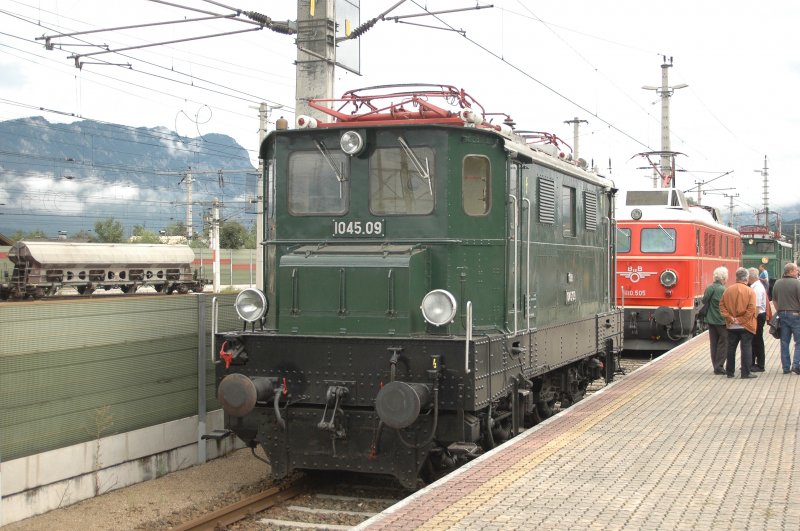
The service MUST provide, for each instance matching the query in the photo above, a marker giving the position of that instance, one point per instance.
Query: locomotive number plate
(358, 228)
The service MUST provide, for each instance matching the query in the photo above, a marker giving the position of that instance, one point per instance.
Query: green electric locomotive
(434, 283)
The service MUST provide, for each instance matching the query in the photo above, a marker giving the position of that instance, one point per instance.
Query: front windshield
(396, 185)
(660, 240)
(314, 186)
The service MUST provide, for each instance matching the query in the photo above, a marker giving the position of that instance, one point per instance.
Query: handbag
(701, 313)
(775, 326)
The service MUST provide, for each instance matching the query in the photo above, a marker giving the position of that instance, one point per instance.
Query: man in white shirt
(759, 357)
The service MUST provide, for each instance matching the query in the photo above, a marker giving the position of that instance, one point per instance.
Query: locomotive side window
(396, 185)
(623, 240)
(314, 186)
(475, 185)
(568, 210)
(658, 240)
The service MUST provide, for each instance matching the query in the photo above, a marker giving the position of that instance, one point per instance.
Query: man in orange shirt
(738, 307)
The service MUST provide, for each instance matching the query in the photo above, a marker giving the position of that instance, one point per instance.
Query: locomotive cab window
(568, 210)
(475, 185)
(401, 181)
(318, 182)
(623, 240)
(658, 240)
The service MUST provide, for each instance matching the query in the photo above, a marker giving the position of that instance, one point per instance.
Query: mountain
(64, 177)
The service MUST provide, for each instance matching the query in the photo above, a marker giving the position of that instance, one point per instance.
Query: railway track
(305, 503)
(328, 502)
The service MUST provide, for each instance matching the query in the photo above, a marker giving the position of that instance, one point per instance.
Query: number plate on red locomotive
(372, 229)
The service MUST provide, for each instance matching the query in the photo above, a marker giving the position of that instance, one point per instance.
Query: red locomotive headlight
(668, 278)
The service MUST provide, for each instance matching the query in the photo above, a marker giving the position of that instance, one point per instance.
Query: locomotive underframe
(660, 328)
(513, 382)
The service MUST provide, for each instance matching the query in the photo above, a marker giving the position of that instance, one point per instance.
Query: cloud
(11, 76)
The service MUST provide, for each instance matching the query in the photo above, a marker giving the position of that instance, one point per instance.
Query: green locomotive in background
(434, 284)
(763, 244)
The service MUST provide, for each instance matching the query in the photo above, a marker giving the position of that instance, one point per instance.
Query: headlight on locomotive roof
(351, 143)
(251, 305)
(438, 307)
(668, 278)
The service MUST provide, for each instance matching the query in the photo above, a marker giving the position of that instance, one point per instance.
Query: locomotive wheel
(487, 441)
(183, 289)
(159, 288)
(38, 293)
(130, 288)
(532, 418)
(85, 290)
(545, 409)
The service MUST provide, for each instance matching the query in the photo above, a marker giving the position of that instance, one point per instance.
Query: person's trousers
(718, 336)
(736, 335)
(759, 354)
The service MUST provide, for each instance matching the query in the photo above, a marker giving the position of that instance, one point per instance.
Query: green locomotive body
(433, 292)
(762, 246)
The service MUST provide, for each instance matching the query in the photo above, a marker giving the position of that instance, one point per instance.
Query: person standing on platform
(759, 354)
(763, 276)
(717, 332)
(738, 306)
(786, 295)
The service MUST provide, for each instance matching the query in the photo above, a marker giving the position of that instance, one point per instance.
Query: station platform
(671, 446)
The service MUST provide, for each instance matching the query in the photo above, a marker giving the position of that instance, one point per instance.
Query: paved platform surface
(672, 446)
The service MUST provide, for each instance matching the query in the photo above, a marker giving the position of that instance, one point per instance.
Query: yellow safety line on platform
(455, 513)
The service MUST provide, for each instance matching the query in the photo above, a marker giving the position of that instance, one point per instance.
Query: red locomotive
(667, 251)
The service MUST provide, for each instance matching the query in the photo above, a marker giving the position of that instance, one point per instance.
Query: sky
(542, 63)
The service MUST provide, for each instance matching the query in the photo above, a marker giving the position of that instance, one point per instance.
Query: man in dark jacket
(717, 332)
(786, 295)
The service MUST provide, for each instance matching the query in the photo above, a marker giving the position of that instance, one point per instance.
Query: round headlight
(438, 307)
(351, 143)
(669, 278)
(636, 213)
(251, 305)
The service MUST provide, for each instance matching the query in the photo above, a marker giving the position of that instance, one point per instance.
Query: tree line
(232, 234)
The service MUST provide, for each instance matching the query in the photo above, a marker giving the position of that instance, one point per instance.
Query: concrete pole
(665, 92)
(765, 174)
(189, 228)
(730, 208)
(576, 124)
(215, 242)
(316, 54)
(262, 133)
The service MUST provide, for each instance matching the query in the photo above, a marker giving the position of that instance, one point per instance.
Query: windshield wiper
(423, 172)
(665, 232)
(338, 170)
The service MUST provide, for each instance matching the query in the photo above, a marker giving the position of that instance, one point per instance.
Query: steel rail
(226, 516)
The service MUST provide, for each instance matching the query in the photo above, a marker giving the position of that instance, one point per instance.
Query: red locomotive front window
(623, 240)
(658, 240)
